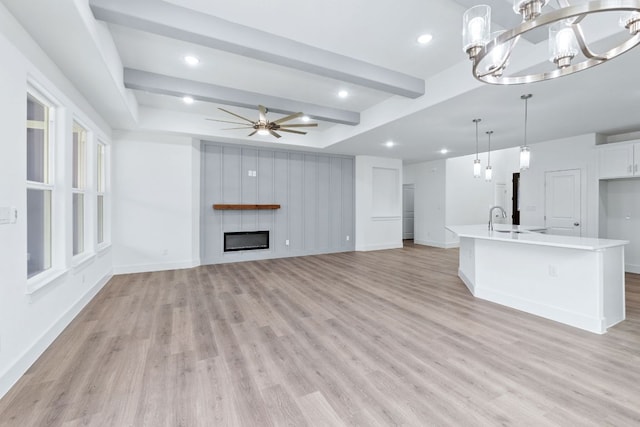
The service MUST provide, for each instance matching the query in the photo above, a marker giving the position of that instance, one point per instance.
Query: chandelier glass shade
(569, 50)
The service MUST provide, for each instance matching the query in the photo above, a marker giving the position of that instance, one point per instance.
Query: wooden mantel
(243, 207)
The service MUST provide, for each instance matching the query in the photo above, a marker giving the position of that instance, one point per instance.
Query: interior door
(407, 211)
(563, 202)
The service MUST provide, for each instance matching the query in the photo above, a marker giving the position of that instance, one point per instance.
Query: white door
(563, 202)
(407, 211)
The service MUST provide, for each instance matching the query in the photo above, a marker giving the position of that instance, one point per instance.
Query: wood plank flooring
(370, 339)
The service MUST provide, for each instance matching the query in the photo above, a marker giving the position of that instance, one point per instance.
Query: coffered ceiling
(127, 58)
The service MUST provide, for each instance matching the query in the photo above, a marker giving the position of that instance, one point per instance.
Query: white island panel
(576, 281)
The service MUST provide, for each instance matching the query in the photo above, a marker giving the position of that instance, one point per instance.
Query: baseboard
(632, 268)
(435, 244)
(379, 247)
(10, 376)
(145, 268)
(467, 282)
(588, 323)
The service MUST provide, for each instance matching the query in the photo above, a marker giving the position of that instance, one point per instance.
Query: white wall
(563, 154)
(468, 199)
(156, 196)
(378, 215)
(429, 201)
(29, 322)
(446, 193)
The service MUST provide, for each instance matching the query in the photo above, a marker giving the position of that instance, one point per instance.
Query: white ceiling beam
(184, 24)
(166, 85)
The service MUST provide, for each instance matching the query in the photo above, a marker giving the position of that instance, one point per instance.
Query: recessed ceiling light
(191, 60)
(444, 151)
(305, 118)
(425, 38)
(187, 100)
(343, 94)
(389, 144)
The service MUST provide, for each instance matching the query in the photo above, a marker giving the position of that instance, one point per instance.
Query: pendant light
(488, 172)
(477, 168)
(525, 155)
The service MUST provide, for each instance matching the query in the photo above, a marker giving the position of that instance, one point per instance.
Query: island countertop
(531, 235)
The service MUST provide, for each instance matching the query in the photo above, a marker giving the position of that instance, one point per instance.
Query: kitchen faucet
(504, 215)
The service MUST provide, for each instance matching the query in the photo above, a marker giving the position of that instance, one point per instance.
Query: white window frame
(101, 191)
(81, 189)
(49, 175)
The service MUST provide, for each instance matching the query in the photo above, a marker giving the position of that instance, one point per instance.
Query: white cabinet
(619, 160)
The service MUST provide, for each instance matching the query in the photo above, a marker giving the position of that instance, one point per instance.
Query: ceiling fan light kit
(568, 46)
(264, 127)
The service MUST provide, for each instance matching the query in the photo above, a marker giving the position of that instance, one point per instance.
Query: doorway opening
(515, 199)
(408, 218)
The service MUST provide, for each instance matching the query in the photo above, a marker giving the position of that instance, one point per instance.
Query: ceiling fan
(263, 126)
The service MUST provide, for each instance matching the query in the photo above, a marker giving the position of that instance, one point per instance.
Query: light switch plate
(5, 215)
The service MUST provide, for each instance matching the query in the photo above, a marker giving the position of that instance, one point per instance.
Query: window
(100, 189)
(39, 184)
(79, 186)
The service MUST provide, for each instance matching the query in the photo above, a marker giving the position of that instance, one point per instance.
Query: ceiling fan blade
(301, 125)
(263, 113)
(274, 134)
(253, 133)
(244, 127)
(289, 117)
(227, 121)
(237, 115)
(291, 131)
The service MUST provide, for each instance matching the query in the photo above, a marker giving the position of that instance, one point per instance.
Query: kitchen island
(577, 281)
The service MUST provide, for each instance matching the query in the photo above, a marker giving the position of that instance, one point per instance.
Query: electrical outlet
(165, 252)
(286, 242)
(553, 270)
(348, 237)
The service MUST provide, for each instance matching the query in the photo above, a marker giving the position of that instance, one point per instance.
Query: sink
(509, 231)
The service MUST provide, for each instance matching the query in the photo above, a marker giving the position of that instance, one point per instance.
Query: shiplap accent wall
(315, 191)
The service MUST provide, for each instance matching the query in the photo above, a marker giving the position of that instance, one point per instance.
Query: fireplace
(246, 240)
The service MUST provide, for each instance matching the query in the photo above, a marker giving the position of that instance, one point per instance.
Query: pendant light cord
(476, 121)
(489, 152)
(526, 115)
(526, 119)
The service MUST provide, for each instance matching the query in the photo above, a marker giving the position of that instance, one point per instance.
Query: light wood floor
(379, 338)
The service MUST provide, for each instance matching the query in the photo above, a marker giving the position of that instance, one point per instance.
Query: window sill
(80, 260)
(43, 279)
(386, 218)
(103, 247)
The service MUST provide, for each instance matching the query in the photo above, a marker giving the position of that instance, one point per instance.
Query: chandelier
(568, 47)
